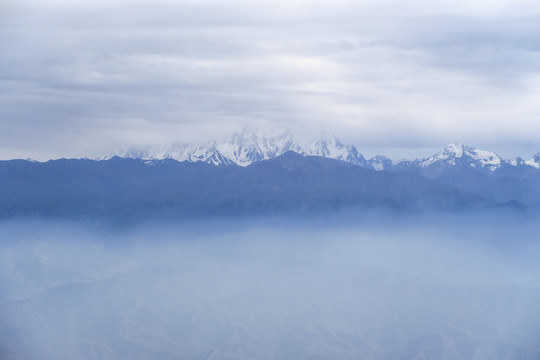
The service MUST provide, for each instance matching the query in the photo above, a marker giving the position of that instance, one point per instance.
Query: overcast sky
(402, 78)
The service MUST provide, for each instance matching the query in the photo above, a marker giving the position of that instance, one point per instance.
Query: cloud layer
(82, 79)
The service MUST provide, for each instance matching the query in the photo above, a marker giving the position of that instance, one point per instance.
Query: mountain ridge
(246, 147)
(135, 189)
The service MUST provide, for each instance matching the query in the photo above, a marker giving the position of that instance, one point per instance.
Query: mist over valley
(444, 287)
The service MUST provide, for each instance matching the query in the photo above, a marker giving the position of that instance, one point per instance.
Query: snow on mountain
(380, 163)
(326, 145)
(246, 147)
(249, 146)
(209, 153)
(458, 154)
(174, 151)
(534, 162)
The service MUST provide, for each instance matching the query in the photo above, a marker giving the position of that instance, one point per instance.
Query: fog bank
(271, 290)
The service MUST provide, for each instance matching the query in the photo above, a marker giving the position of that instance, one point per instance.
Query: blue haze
(439, 287)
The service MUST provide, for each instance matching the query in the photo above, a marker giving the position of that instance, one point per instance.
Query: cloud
(382, 75)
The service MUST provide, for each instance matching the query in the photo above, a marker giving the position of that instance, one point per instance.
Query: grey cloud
(358, 70)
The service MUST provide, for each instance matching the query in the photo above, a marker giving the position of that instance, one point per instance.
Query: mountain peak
(535, 161)
(324, 144)
(459, 154)
(380, 162)
(326, 137)
(455, 150)
(327, 145)
(249, 145)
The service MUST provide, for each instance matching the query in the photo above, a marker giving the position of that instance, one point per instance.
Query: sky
(400, 78)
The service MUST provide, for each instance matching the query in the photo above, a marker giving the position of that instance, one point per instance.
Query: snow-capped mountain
(380, 163)
(534, 162)
(326, 145)
(460, 155)
(246, 147)
(176, 150)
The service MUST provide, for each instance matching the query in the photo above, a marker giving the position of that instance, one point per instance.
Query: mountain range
(250, 174)
(131, 190)
(246, 147)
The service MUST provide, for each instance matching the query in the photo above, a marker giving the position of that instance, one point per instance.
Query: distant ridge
(251, 174)
(134, 189)
(128, 189)
(246, 147)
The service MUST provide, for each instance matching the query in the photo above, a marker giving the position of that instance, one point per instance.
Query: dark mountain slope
(506, 184)
(291, 183)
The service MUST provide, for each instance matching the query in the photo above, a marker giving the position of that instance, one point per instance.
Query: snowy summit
(246, 147)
